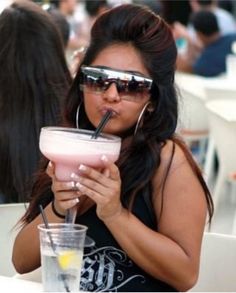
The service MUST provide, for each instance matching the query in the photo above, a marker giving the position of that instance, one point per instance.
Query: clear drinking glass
(61, 247)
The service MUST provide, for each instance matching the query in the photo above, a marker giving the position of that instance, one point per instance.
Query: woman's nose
(111, 94)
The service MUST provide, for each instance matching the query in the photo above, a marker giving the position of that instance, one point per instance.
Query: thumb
(50, 169)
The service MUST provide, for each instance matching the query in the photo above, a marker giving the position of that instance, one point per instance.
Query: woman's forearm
(157, 254)
(26, 249)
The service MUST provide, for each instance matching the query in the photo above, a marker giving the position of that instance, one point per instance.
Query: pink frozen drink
(70, 147)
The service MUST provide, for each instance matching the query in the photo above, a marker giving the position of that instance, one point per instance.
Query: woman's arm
(171, 254)
(26, 249)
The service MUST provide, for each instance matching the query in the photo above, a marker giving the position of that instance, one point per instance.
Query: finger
(109, 190)
(89, 173)
(94, 179)
(50, 169)
(92, 185)
(61, 185)
(98, 175)
(106, 173)
(67, 204)
(65, 195)
(94, 195)
(113, 169)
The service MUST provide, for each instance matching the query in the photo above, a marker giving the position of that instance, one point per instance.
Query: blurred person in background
(93, 9)
(68, 8)
(225, 20)
(227, 5)
(193, 44)
(212, 59)
(62, 25)
(176, 11)
(34, 81)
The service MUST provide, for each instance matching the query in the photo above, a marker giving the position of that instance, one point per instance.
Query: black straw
(45, 220)
(101, 125)
(47, 226)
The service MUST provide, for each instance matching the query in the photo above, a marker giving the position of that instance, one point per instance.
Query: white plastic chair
(215, 89)
(217, 264)
(193, 120)
(10, 214)
(205, 89)
(222, 123)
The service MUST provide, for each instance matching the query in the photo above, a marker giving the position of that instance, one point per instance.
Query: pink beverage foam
(66, 164)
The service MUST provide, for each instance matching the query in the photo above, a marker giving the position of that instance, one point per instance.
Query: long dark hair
(152, 37)
(34, 81)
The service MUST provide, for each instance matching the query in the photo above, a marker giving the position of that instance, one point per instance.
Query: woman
(154, 176)
(34, 80)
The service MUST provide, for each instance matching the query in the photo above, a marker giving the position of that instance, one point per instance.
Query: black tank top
(106, 267)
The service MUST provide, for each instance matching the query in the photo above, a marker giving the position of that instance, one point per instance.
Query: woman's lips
(105, 109)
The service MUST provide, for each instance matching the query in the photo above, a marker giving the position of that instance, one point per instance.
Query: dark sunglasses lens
(133, 86)
(121, 86)
(94, 83)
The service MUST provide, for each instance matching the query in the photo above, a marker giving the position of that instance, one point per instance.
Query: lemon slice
(69, 258)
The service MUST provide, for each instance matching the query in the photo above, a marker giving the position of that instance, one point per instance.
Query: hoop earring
(77, 116)
(141, 116)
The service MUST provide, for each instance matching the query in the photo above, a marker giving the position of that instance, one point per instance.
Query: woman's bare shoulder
(176, 179)
(172, 157)
(174, 154)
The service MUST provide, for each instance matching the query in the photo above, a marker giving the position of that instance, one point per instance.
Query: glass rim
(105, 137)
(54, 227)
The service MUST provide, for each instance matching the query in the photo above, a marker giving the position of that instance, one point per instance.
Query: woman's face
(125, 111)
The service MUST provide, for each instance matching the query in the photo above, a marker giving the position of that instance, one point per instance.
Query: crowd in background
(192, 40)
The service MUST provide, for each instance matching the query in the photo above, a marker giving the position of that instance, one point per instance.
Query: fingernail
(71, 184)
(80, 187)
(104, 158)
(74, 176)
(50, 164)
(82, 167)
(76, 200)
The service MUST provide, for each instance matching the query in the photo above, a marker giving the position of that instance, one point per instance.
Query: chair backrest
(193, 113)
(10, 214)
(218, 264)
(223, 130)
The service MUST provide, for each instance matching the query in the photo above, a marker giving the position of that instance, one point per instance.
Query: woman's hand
(66, 194)
(103, 187)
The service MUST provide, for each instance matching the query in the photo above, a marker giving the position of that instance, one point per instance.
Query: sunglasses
(131, 87)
